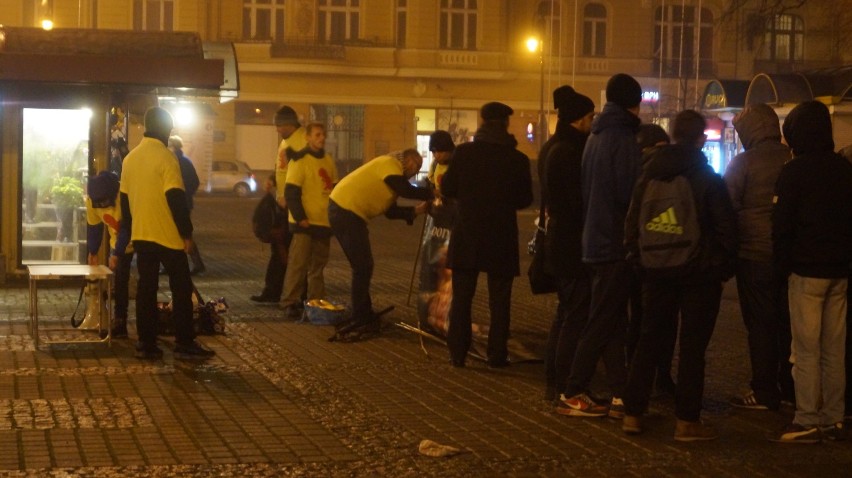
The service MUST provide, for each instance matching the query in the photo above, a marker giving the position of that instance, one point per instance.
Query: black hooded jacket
(751, 177)
(812, 218)
(718, 244)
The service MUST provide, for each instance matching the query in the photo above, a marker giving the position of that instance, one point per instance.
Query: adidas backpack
(669, 232)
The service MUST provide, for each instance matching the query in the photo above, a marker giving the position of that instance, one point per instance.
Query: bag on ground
(267, 216)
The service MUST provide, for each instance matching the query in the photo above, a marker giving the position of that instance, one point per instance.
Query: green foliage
(67, 192)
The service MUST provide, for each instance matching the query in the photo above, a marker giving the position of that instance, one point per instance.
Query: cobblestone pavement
(280, 400)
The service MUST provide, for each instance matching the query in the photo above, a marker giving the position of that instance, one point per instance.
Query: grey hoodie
(751, 178)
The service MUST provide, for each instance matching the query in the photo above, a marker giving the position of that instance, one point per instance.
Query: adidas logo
(665, 223)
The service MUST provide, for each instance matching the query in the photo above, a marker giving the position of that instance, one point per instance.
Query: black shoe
(293, 313)
(119, 332)
(457, 363)
(197, 270)
(264, 298)
(148, 351)
(498, 363)
(192, 351)
(550, 393)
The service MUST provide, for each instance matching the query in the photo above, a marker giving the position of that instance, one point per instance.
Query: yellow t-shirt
(110, 216)
(316, 177)
(437, 175)
(148, 171)
(297, 141)
(364, 191)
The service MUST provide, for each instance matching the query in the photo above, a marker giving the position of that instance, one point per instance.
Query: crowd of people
(641, 235)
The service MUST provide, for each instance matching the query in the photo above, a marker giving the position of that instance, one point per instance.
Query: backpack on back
(669, 232)
(266, 218)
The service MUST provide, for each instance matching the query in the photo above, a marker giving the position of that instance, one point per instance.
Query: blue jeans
(604, 333)
(818, 323)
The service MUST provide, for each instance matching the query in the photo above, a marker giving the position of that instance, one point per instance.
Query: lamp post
(536, 45)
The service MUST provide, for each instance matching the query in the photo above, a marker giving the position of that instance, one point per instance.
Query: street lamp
(536, 45)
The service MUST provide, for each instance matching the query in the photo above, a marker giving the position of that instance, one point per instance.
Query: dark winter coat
(190, 178)
(611, 164)
(491, 180)
(718, 244)
(812, 219)
(751, 178)
(561, 185)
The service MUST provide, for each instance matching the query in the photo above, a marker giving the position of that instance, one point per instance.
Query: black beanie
(441, 141)
(571, 105)
(286, 115)
(624, 90)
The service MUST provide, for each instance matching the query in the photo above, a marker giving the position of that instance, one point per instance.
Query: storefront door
(55, 165)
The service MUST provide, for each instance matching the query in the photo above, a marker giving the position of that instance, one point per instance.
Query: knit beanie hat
(441, 141)
(624, 90)
(286, 115)
(103, 188)
(571, 105)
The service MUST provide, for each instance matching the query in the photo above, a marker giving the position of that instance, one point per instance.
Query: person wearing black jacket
(812, 245)
(693, 289)
(559, 176)
(190, 186)
(491, 180)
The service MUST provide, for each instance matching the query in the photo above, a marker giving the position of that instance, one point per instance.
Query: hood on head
(807, 129)
(757, 123)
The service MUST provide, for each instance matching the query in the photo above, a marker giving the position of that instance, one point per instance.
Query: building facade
(383, 74)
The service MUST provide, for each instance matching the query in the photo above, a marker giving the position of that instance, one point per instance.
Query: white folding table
(102, 275)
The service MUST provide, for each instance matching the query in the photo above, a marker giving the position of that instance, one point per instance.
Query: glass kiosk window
(54, 171)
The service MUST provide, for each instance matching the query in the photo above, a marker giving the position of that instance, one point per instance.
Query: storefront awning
(779, 89)
(835, 83)
(724, 95)
(133, 60)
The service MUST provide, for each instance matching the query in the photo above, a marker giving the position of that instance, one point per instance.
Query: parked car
(233, 176)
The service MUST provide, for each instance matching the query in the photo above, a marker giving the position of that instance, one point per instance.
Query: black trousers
(603, 336)
(149, 256)
(767, 319)
(572, 314)
(499, 303)
(354, 238)
(698, 304)
(122, 284)
(276, 267)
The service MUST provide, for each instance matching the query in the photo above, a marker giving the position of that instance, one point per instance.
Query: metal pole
(542, 128)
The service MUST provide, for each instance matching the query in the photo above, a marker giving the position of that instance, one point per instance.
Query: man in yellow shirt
(292, 139)
(363, 194)
(155, 217)
(311, 174)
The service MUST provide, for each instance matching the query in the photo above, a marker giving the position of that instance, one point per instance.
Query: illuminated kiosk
(71, 100)
(721, 101)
